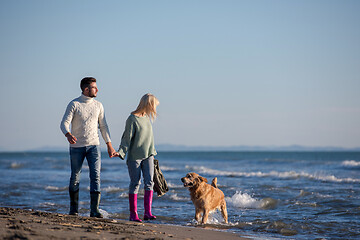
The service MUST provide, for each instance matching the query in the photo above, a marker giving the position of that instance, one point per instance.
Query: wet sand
(28, 224)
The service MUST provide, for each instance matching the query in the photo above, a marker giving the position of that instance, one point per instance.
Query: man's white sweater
(85, 115)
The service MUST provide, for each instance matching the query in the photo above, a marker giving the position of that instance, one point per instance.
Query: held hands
(111, 151)
(71, 138)
(115, 154)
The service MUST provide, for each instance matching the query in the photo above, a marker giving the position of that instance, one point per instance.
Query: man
(85, 115)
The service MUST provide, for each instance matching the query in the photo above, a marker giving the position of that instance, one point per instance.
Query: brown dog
(205, 197)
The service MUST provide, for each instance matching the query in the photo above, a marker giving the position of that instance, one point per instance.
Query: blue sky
(226, 72)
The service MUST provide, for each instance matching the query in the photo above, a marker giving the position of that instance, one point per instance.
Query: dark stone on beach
(17, 236)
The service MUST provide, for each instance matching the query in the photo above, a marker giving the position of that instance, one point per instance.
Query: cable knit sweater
(85, 115)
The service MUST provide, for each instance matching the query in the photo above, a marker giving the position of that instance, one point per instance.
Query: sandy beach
(28, 224)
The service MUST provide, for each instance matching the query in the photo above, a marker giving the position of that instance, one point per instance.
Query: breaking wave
(167, 169)
(112, 189)
(244, 200)
(16, 165)
(56, 189)
(174, 186)
(175, 197)
(289, 174)
(351, 163)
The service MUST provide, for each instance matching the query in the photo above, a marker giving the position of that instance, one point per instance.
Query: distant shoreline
(184, 148)
(201, 151)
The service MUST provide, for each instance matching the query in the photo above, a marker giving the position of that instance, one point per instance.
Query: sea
(269, 195)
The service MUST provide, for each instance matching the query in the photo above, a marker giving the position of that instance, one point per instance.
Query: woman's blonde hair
(147, 105)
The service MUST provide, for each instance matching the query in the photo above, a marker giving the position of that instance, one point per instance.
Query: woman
(138, 143)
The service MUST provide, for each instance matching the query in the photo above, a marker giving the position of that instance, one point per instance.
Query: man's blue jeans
(93, 157)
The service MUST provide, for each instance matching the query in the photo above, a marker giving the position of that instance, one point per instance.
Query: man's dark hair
(85, 82)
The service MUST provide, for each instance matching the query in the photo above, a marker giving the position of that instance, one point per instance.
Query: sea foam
(167, 168)
(244, 200)
(16, 165)
(104, 213)
(112, 189)
(175, 197)
(350, 163)
(56, 189)
(287, 175)
(174, 186)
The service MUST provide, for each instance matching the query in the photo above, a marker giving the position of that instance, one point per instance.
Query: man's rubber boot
(74, 202)
(94, 205)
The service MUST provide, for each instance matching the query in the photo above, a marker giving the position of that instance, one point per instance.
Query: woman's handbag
(160, 185)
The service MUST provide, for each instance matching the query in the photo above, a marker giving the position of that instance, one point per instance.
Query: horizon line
(198, 148)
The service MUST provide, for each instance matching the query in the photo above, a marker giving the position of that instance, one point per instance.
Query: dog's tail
(214, 182)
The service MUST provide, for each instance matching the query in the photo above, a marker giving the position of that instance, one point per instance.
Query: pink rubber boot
(133, 208)
(147, 205)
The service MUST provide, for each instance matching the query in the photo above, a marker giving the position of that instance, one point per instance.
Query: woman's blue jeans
(135, 167)
(93, 156)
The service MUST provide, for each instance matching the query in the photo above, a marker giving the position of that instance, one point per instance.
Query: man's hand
(71, 138)
(111, 151)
